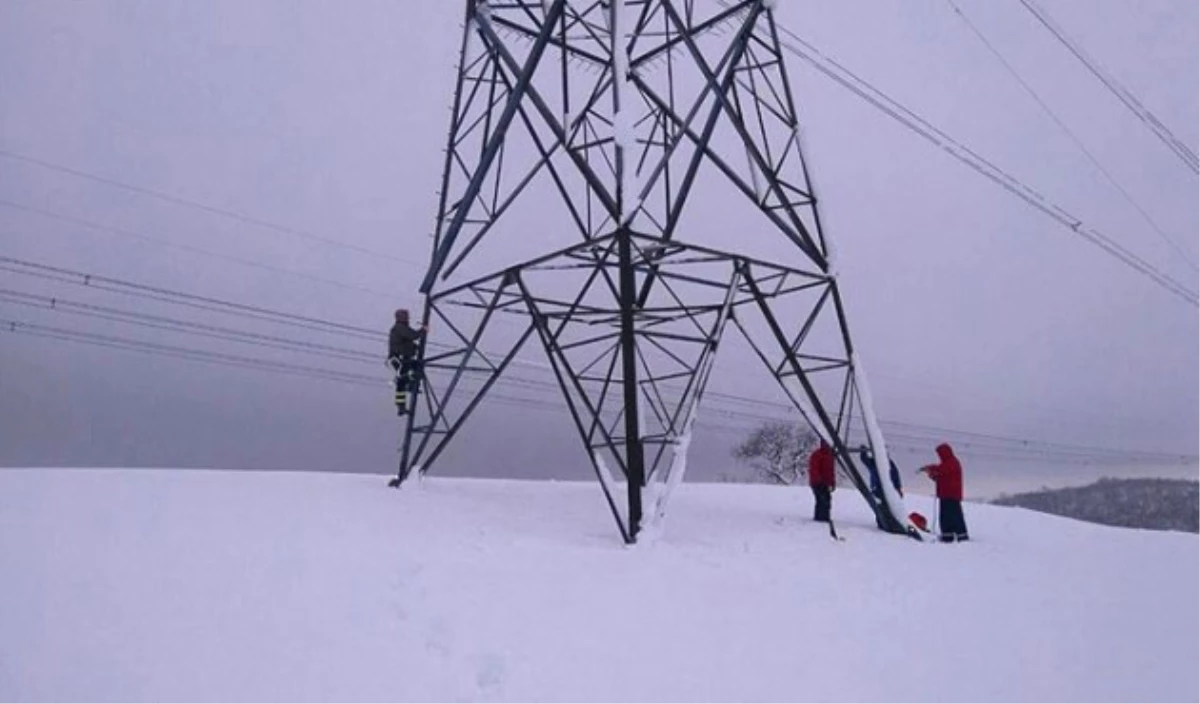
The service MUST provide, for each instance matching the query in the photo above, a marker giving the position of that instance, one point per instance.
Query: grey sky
(971, 310)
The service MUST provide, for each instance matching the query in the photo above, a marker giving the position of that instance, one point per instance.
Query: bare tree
(778, 451)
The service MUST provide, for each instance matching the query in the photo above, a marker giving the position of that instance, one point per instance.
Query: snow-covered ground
(204, 585)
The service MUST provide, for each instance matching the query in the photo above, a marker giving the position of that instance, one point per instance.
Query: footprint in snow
(489, 673)
(439, 637)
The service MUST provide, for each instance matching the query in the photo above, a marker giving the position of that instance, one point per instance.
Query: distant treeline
(1157, 504)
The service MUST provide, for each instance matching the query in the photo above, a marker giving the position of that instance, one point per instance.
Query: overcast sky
(971, 310)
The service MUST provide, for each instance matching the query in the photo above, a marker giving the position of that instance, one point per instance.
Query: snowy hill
(1158, 504)
(166, 585)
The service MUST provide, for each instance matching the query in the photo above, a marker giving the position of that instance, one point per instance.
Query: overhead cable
(1123, 94)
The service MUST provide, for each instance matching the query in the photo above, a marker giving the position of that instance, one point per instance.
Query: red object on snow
(919, 521)
(821, 467)
(947, 474)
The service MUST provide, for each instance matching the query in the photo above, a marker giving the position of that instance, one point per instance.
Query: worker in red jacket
(947, 477)
(821, 478)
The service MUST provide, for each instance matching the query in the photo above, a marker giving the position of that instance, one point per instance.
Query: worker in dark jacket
(947, 476)
(822, 480)
(402, 350)
(868, 459)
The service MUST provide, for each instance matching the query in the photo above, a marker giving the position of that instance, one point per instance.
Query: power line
(174, 324)
(1123, 94)
(238, 361)
(538, 404)
(902, 430)
(169, 324)
(161, 294)
(975, 451)
(207, 303)
(129, 344)
(928, 435)
(189, 248)
(177, 200)
(16, 326)
(890, 107)
(1013, 447)
(1031, 196)
(977, 437)
(1070, 133)
(918, 437)
(935, 431)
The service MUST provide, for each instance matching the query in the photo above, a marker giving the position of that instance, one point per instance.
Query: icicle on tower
(624, 185)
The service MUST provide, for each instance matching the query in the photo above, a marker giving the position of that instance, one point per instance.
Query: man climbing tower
(402, 349)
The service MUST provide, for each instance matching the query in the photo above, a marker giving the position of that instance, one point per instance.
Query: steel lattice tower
(623, 180)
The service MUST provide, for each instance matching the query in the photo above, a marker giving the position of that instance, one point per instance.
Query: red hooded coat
(947, 474)
(821, 466)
